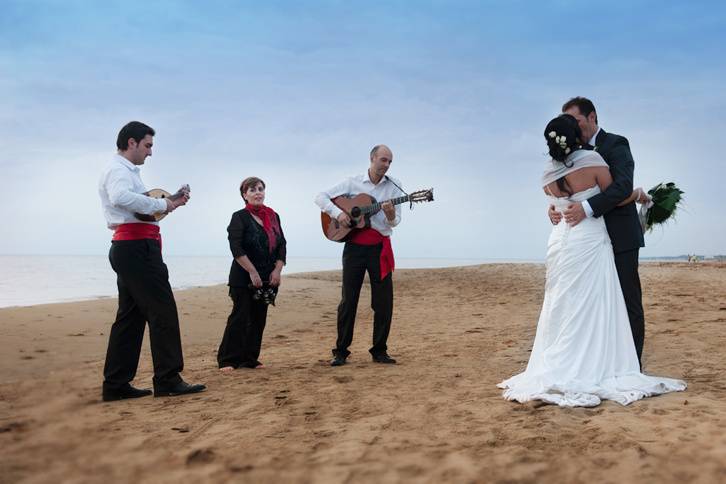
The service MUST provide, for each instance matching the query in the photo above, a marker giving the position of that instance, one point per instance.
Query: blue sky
(297, 93)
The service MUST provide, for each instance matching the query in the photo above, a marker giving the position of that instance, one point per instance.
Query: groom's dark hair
(583, 104)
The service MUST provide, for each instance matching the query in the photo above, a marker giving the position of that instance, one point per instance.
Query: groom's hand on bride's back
(574, 214)
(554, 215)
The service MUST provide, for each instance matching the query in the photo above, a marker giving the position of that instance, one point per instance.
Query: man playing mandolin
(144, 293)
(367, 248)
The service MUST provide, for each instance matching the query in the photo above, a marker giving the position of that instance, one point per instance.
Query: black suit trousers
(357, 260)
(242, 338)
(144, 295)
(626, 264)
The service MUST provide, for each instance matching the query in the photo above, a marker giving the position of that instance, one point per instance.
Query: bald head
(375, 149)
(381, 158)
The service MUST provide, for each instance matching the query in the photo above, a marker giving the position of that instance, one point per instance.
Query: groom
(622, 223)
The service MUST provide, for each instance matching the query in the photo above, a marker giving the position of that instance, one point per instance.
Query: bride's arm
(638, 195)
(604, 179)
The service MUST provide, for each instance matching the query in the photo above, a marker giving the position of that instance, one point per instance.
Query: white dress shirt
(385, 190)
(121, 189)
(585, 205)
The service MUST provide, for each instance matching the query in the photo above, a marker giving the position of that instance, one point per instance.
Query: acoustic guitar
(360, 208)
(160, 193)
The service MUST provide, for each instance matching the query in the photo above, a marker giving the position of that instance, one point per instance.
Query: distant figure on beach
(583, 351)
(259, 252)
(367, 250)
(621, 220)
(144, 293)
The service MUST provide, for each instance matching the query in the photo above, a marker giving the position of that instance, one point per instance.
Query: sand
(435, 417)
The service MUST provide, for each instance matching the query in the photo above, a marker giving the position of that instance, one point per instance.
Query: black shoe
(338, 361)
(384, 358)
(181, 388)
(123, 393)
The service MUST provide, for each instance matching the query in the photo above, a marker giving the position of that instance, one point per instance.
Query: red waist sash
(369, 236)
(137, 231)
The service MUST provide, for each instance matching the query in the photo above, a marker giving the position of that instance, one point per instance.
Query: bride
(583, 350)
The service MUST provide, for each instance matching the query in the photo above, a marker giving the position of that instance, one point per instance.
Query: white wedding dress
(583, 351)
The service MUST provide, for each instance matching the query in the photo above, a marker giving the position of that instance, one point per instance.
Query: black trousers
(144, 295)
(626, 264)
(357, 259)
(242, 338)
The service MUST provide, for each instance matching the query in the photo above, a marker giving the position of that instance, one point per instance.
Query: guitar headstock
(422, 196)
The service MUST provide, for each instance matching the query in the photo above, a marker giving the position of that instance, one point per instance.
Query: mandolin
(160, 193)
(360, 208)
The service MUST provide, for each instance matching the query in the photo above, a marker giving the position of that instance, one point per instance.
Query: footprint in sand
(13, 427)
(200, 456)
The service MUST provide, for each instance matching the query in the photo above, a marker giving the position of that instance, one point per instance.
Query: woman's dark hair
(563, 136)
(248, 183)
(135, 130)
(563, 125)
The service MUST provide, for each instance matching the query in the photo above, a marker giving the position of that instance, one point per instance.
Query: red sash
(369, 236)
(137, 231)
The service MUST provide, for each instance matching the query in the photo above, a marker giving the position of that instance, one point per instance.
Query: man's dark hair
(135, 130)
(583, 104)
(375, 150)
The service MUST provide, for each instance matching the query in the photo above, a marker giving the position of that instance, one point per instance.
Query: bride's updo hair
(563, 136)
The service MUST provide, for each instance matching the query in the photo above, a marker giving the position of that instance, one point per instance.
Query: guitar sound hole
(355, 212)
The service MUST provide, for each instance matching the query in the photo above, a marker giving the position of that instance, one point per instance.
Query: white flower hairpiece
(560, 140)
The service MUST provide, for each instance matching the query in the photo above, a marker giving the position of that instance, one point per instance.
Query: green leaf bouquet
(665, 199)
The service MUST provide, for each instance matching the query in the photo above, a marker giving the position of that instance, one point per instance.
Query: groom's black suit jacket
(622, 222)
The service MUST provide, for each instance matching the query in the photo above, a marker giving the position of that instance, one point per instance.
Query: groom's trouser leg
(627, 267)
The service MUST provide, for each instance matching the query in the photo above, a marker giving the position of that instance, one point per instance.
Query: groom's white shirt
(586, 206)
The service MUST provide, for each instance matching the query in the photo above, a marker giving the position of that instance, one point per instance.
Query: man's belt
(137, 231)
(369, 236)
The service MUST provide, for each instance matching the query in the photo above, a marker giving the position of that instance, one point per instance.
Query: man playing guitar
(367, 249)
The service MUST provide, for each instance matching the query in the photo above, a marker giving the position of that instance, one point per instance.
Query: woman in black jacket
(259, 249)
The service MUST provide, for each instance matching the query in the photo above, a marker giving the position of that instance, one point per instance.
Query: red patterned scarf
(269, 222)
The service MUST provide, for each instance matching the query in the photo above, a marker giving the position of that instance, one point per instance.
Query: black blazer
(622, 222)
(247, 237)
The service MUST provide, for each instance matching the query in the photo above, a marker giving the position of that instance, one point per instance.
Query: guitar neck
(375, 207)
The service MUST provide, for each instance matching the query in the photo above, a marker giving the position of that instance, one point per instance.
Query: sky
(297, 93)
